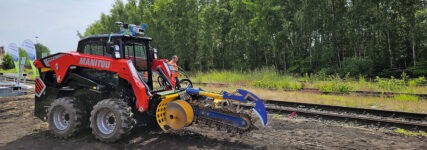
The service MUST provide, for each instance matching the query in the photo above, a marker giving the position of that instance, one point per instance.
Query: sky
(54, 22)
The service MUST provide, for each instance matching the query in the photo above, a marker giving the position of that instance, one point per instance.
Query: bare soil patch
(19, 129)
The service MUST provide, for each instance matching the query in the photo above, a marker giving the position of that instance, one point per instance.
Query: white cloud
(55, 22)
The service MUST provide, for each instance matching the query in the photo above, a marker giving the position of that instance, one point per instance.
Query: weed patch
(410, 133)
(406, 97)
(269, 78)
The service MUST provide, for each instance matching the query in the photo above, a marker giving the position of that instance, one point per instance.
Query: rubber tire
(76, 115)
(124, 119)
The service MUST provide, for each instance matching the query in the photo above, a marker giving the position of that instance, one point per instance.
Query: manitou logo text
(95, 63)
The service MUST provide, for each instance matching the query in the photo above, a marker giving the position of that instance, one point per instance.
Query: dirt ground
(19, 129)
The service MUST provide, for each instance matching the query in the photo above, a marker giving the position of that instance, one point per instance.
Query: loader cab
(120, 46)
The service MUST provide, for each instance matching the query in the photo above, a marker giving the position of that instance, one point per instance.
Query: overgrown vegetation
(390, 84)
(269, 78)
(262, 78)
(335, 87)
(286, 85)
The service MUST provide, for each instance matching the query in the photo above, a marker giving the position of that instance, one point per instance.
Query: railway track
(373, 93)
(370, 117)
(358, 92)
(8, 78)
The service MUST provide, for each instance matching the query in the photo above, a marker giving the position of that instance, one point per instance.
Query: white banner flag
(13, 50)
(30, 49)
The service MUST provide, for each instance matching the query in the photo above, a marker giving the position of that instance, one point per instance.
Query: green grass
(28, 71)
(406, 97)
(271, 79)
(281, 84)
(8, 70)
(410, 133)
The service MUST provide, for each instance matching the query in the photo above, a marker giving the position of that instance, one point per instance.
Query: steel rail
(380, 118)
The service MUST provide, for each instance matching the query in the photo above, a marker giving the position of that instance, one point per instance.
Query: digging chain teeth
(219, 124)
(226, 107)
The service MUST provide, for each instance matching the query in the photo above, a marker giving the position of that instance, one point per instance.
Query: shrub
(8, 62)
(404, 77)
(417, 81)
(296, 86)
(391, 84)
(362, 79)
(306, 78)
(322, 75)
(336, 86)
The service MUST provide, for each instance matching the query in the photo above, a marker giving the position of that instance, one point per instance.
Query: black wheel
(65, 118)
(111, 119)
(185, 83)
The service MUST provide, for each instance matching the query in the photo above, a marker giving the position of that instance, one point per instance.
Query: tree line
(382, 37)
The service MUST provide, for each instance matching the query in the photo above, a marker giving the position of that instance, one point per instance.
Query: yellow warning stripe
(44, 69)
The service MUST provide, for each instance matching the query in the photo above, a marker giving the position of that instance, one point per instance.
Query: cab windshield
(136, 51)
